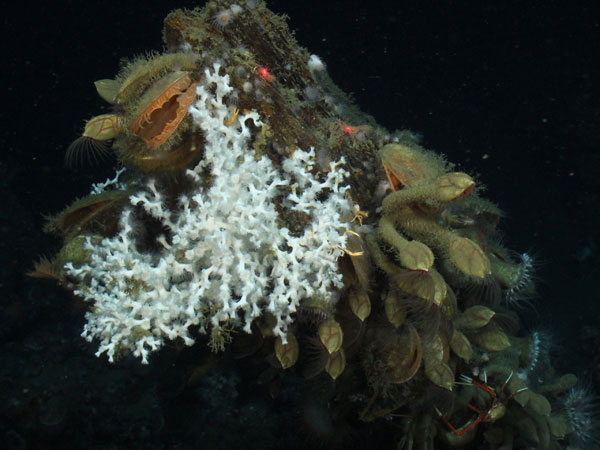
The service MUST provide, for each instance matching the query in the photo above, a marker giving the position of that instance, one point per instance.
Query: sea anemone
(223, 19)
(315, 64)
(582, 410)
(515, 275)
(536, 358)
(236, 9)
(521, 288)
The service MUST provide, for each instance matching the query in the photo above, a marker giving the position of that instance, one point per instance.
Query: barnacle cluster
(420, 339)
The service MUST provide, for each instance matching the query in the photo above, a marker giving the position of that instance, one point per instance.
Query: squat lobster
(496, 411)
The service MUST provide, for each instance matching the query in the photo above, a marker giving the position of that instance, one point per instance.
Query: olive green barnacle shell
(360, 304)
(474, 318)
(336, 363)
(461, 345)
(491, 340)
(539, 404)
(404, 359)
(439, 373)
(287, 354)
(331, 335)
(395, 309)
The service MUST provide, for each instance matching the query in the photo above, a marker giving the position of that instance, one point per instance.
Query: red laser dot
(264, 72)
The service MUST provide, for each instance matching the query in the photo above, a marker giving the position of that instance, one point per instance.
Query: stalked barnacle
(324, 351)
(474, 318)
(139, 75)
(491, 340)
(157, 139)
(360, 304)
(435, 358)
(312, 312)
(427, 285)
(336, 363)
(108, 89)
(98, 213)
(395, 308)
(405, 166)
(165, 106)
(392, 357)
(421, 191)
(423, 281)
(461, 345)
(152, 95)
(287, 354)
(331, 335)
(355, 264)
(93, 143)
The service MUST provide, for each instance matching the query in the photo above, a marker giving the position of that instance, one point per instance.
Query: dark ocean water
(506, 90)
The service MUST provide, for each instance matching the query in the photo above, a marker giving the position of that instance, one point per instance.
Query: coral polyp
(259, 212)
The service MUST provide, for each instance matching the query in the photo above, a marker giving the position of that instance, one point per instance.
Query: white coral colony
(227, 261)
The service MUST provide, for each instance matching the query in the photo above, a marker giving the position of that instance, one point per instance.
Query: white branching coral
(224, 260)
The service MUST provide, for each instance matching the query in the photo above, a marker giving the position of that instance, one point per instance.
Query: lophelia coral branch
(223, 261)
